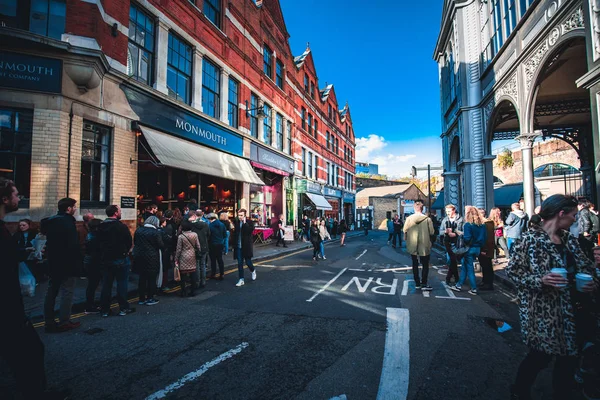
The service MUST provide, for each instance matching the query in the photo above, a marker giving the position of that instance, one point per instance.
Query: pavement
(350, 327)
(34, 306)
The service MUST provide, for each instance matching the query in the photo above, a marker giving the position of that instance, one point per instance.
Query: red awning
(270, 169)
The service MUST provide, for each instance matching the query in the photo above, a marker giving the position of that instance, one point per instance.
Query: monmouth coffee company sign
(164, 117)
(27, 72)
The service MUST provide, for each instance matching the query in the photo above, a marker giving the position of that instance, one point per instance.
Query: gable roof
(274, 8)
(299, 60)
(325, 92)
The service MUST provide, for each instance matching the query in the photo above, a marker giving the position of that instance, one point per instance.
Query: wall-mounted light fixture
(260, 109)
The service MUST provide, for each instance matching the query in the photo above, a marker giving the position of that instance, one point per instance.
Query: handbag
(460, 247)
(177, 274)
(197, 252)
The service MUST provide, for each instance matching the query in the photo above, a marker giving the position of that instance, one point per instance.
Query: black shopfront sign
(271, 159)
(27, 72)
(165, 117)
(127, 202)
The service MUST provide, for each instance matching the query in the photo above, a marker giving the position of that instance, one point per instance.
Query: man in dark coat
(65, 263)
(397, 233)
(243, 244)
(20, 346)
(114, 243)
(203, 231)
(218, 233)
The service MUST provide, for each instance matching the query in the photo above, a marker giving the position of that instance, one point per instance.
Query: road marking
(360, 287)
(448, 290)
(340, 397)
(161, 394)
(405, 286)
(361, 254)
(357, 270)
(326, 285)
(453, 298)
(426, 293)
(505, 293)
(394, 374)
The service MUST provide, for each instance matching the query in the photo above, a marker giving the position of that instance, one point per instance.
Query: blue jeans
(510, 242)
(226, 243)
(322, 246)
(241, 259)
(468, 268)
(116, 270)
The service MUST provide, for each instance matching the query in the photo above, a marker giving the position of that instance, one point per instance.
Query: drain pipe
(69, 151)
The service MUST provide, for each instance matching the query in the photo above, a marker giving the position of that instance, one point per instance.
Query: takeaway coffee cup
(581, 279)
(560, 271)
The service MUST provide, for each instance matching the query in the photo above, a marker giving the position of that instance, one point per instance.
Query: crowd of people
(318, 231)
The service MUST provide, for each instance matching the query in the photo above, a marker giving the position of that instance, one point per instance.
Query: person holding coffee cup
(542, 262)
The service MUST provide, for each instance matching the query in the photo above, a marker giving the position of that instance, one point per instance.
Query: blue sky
(378, 55)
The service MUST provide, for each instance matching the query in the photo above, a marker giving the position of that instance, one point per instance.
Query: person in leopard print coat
(546, 311)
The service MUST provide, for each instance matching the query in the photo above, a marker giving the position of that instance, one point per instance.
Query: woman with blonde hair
(475, 238)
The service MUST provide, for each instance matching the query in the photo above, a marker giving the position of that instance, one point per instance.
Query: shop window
(140, 50)
(303, 162)
(253, 115)
(179, 69)
(268, 61)
(42, 17)
(268, 129)
(211, 89)
(279, 130)
(95, 163)
(289, 136)
(303, 116)
(309, 123)
(279, 73)
(232, 110)
(310, 164)
(15, 149)
(212, 10)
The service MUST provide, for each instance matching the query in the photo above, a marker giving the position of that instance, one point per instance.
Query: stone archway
(557, 108)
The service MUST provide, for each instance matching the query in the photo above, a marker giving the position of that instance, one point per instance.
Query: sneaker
(388, 242)
(455, 288)
(142, 302)
(473, 292)
(324, 258)
(126, 311)
(427, 288)
(417, 286)
(106, 314)
(93, 310)
(314, 259)
(151, 302)
(254, 275)
(240, 283)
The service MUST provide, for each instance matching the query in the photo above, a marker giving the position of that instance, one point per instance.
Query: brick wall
(381, 206)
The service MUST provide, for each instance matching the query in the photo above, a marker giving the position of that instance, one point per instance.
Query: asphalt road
(266, 340)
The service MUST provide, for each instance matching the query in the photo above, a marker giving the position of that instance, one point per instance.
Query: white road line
(405, 286)
(355, 269)
(161, 394)
(361, 254)
(506, 294)
(426, 293)
(340, 397)
(453, 298)
(326, 285)
(450, 293)
(434, 267)
(394, 374)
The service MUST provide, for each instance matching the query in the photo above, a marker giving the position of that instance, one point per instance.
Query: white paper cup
(581, 279)
(560, 271)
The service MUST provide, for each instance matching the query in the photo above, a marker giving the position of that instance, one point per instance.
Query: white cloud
(367, 145)
(391, 164)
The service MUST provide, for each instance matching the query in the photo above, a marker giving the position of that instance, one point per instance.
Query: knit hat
(152, 220)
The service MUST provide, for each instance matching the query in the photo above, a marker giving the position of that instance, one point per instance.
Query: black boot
(192, 289)
(182, 291)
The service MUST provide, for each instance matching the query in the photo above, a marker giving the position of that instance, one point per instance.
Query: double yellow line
(175, 289)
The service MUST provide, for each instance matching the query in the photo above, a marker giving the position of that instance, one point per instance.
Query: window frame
(279, 131)
(172, 68)
(268, 61)
(310, 164)
(327, 139)
(207, 90)
(254, 102)
(303, 116)
(214, 8)
(303, 161)
(306, 82)
(108, 135)
(233, 111)
(16, 131)
(289, 136)
(267, 124)
(309, 123)
(139, 47)
(279, 73)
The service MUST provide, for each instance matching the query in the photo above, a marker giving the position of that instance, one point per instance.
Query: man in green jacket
(418, 229)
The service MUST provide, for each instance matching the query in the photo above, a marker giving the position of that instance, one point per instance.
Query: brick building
(135, 103)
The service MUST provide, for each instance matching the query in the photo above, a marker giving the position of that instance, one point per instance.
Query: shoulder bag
(460, 246)
(196, 251)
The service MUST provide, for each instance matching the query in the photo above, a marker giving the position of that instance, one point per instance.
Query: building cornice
(447, 16)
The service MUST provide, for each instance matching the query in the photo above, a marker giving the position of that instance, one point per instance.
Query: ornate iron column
(526, 141)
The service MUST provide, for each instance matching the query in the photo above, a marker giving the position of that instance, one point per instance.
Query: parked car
(554, 169)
